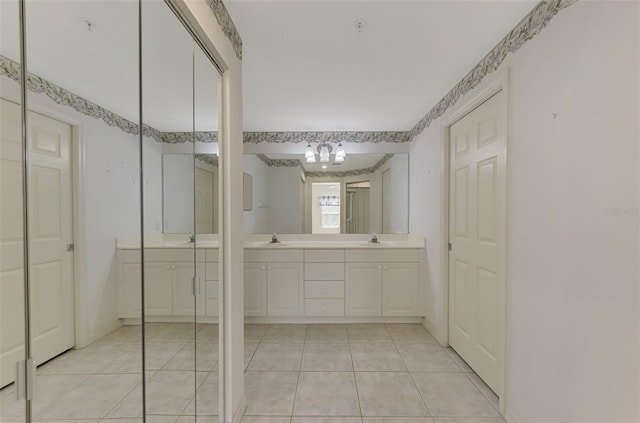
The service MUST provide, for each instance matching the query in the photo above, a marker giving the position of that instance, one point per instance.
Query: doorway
(477, 225)
(51, 239)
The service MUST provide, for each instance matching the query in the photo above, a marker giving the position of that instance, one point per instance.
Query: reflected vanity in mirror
(364, 193)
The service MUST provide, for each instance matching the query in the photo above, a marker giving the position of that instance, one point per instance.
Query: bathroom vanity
(293, 281)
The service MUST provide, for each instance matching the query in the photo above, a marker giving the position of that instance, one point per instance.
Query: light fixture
(324, 150)
(340, 154)
(324, 153)
(309, 155)
(324, 166)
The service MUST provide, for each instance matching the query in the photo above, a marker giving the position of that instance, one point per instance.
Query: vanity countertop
(406, 242)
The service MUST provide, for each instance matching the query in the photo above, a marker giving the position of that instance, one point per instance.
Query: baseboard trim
(101, 332)
(239, 413)
(341, 319)
(436, 334)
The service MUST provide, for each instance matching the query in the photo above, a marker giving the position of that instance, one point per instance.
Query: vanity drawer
(324, 289)
(324, 256)
(212, 289)
(324, 271)
(213, 306)
(395, 255)
(175, 254)
(212, 272)
(324, 307)
(271, 256)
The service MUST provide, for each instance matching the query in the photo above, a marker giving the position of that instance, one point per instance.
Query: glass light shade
(338, 159)
(324, 154)
(308, 153)
(340, 152)
(311, 159)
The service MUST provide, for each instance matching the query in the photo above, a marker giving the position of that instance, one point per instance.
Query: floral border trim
(356, 172)
(279, 162)
(524, 31)
(226, 23)
(208, 159)
(184, 137)
(332, 137)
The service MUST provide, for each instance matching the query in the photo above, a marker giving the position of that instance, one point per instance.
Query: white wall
(178, 189)
(572, 278)
(109, 203)
(399, 165)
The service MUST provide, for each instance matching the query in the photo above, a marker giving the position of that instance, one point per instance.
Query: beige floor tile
(207, 398)
(368, 332)
(206, 354)
(249, 349)
(468, 420)
(254, 333)
(397, 420)
(389, 394)
(201, 419)
(285, 333)
(67, 421)
(281, 356)
(453, 394)
(376, 356)
(459, 361)
(171, 332)
(92, 398)
(326, 419)
(128, 334)
(484, 389)
(265, 419)
(150, 419)
(327, 333)
(208, 333)
(410, 333)
(159, 353)
(326, 394)
(328, 357)
(88, 360)
(270, 393)
(49, 388)
(427, 358)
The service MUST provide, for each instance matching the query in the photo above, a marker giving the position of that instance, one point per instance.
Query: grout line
(355, 379)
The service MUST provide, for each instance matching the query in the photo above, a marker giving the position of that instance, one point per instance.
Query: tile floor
(365, 373)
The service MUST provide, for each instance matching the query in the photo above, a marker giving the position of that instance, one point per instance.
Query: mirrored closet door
(120, 309)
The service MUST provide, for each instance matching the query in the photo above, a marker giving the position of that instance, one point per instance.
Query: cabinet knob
(379, 267)
(385, 267)
(168, 267)
(324, 257)
(262, 268)
(268, 267)
(324, 308)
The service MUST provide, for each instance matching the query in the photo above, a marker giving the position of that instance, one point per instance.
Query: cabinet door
(183, 299)
(363, 289)
(158, 299)
(285, 289)
(401, 289)
(255, 289)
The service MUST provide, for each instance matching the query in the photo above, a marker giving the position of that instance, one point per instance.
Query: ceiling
(305, 66)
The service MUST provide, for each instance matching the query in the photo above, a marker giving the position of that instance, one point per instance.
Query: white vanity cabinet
(168, 283)
(323, 283)
(273, 282)
(382, 283)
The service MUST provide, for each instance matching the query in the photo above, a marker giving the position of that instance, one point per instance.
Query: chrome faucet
(192, 237)
(374, 238)
(274, 238)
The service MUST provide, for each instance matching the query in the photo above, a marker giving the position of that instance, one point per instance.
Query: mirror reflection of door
(386, 201)
(206, 191)
(357, 207)
(325, 207)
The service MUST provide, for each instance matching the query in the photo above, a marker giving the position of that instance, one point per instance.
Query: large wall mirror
(364, 193)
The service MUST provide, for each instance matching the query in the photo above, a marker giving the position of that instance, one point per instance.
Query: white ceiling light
(324, 154)
(309, 155)
(340, 154)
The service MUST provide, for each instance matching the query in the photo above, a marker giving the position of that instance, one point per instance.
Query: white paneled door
(476, 234)
(51, 234)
